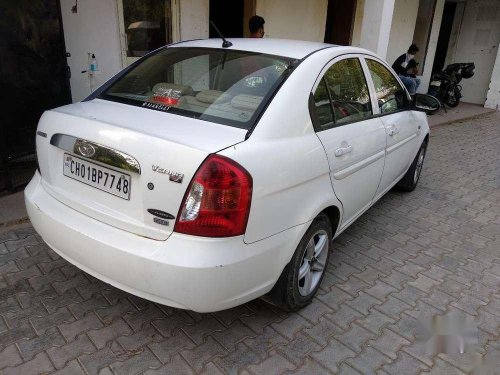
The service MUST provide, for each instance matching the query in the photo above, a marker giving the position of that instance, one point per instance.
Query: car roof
(296, 49)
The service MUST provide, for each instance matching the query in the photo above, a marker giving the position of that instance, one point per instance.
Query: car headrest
(246, 102)
(210, 96)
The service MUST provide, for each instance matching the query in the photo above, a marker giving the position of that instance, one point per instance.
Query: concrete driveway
(433, 252)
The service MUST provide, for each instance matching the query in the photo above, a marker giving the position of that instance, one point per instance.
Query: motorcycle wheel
(452, 98)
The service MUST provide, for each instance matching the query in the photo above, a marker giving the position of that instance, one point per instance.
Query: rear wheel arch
(409, 181)
(333, 214)
(276, 295)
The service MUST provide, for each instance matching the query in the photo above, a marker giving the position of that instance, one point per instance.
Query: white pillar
(193, 17)
(493, 96)
(376, 26)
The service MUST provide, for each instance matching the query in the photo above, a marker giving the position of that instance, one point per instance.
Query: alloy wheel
(420, 164)
(313, 263)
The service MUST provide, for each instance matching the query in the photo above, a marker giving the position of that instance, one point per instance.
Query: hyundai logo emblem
(86, 149)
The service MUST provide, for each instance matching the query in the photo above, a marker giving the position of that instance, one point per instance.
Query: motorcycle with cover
(445, 84)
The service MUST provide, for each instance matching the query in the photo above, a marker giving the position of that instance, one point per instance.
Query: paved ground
(12, 209)
(432, 252)
(462, 111)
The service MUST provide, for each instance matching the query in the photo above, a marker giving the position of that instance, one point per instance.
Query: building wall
(294, 19)
(193, 17)
(94, 29)
(402, 28)
(358, 20)
(376, 26)
(478, 41)
(493, 96)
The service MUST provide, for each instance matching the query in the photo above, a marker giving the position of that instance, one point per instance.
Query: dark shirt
(399, 69)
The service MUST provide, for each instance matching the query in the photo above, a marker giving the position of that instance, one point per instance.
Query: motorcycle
(445, 85)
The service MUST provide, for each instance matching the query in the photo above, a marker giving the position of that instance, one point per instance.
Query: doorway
(34, 77)
(444, 36)
(228, 16)
(340, 21)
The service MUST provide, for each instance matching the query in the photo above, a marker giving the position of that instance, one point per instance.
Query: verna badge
(173, 176)
(86, 149)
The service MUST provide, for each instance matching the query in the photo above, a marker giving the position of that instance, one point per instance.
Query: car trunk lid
(159, 152)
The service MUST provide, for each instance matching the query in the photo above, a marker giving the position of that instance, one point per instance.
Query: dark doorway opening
(340, 21)
(34, 77)
(228, 17)
(444, 36)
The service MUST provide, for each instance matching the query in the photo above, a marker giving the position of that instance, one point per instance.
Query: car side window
(391, 96)
(348, 90)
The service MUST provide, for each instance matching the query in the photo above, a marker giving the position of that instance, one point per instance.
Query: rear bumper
(188, 272)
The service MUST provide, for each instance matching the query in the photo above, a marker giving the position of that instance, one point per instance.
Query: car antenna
(225, 43)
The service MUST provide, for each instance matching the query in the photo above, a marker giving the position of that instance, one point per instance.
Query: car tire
(303, 275)
(410, 179)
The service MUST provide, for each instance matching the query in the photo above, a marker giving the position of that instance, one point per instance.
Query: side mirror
(426, 103)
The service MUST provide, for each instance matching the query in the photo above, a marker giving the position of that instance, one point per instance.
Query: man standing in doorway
(402, 65)
(256, 26)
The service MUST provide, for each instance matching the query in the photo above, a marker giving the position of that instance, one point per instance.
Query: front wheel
(410, 179)
(302, 276)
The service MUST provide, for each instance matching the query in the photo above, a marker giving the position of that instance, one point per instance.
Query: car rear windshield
(223, 86)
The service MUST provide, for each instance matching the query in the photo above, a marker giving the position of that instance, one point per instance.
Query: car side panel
(356, 153)
(288, 164)
(402, 145)
(291, 183)
(405, 131)
(355, 175)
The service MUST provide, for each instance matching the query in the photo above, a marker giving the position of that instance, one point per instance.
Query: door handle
(393, 130)
(345, 149)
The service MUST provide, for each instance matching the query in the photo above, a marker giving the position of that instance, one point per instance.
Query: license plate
(99, 177)
(436, 83)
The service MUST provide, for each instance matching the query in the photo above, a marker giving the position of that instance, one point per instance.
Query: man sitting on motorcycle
(404, 66)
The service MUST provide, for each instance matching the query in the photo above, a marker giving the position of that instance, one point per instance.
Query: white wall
(493, 96)
(478, 42)
(358, 20)
(376, 26)
(294, 19)
(194, 19)
(403, 26)
(94, 28)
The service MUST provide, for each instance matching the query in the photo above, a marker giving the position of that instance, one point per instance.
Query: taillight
(217, 202)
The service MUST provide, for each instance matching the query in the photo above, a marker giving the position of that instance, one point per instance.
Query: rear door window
(223, 86)
(348, 94)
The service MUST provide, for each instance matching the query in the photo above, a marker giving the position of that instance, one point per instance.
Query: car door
(353, 139)
(401, 124)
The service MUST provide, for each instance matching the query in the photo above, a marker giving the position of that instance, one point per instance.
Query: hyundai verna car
(203, 177)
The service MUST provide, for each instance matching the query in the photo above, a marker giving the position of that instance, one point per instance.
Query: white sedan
(202, 177)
